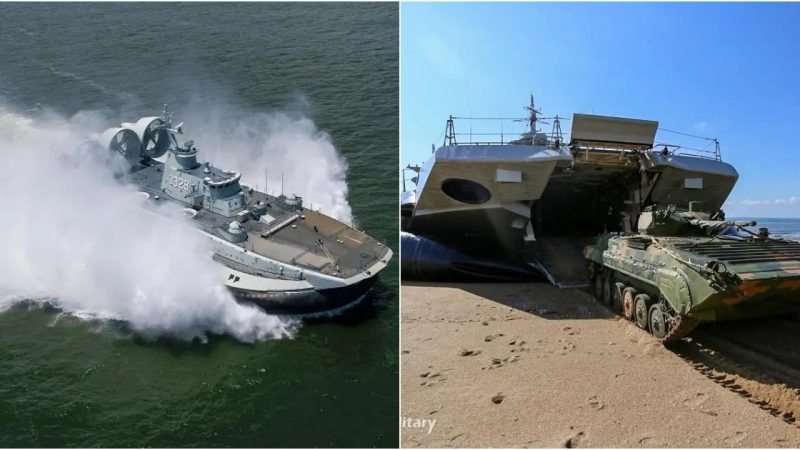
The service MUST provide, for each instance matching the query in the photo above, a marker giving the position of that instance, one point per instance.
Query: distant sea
(785, 228)
(65, 382)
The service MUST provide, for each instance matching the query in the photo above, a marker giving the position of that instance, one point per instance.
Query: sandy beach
(529, 365)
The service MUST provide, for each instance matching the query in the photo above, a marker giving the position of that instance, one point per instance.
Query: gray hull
(306, 302)
(425, 259)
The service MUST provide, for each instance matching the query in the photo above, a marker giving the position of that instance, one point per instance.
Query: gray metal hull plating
(306, 302)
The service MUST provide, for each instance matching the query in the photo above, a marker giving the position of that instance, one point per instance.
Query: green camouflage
(698, 270)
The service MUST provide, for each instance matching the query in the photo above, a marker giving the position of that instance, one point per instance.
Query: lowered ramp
(562, 261)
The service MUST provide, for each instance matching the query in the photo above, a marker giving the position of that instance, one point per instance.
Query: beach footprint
(649, 441)
(574, 440)
(735, 438)
(595, 403)
(696, 400)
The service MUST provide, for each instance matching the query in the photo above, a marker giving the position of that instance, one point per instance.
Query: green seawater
(71, 382)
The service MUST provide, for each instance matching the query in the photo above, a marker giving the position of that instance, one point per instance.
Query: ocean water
(784, 228)
(330, 71)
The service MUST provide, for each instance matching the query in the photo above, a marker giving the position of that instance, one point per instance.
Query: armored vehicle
(271, 250)
(686, 267)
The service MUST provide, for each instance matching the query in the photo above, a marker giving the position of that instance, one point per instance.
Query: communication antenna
(281, 183)
(557, 130)
(167, 115)
(533, 118)
(450, 133)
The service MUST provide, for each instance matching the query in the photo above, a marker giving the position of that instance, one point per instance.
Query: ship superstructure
(535, 201)
(481, 192)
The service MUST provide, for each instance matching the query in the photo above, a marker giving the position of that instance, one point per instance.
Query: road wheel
(608, 287)
(641, 304)
(591, 267)
(628, 295)
(658, 321)
(616, 297)
(598, 285)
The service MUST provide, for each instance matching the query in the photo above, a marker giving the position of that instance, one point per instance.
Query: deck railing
(519, 128)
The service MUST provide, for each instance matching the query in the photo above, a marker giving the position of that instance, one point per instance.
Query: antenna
(168, 116)
(450, 133)
(557, 130)
(266, 181)
(532, 118)
(281, 183)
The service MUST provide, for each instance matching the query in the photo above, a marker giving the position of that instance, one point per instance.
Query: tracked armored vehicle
(686, 267)
(271, 250)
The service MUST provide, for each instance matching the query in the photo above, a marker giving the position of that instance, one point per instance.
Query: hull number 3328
(178, 182)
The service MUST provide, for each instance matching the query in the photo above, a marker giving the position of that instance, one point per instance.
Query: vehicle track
(756, 359)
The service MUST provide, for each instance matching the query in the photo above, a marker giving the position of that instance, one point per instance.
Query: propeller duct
(153, 132)
(123, 141)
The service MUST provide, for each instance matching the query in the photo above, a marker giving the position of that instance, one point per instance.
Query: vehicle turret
(670, 221)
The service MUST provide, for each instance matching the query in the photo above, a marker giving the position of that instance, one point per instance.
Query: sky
(730, 71)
